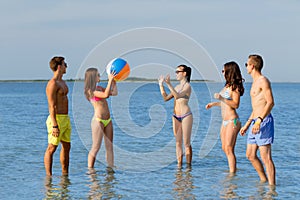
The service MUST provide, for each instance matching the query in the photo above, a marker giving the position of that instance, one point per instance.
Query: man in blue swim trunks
(260, 122)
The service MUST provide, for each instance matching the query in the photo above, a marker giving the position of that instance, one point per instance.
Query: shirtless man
(260, 122)
(58, 121)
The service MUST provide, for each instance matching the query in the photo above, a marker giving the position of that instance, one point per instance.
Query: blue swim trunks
(266, 133)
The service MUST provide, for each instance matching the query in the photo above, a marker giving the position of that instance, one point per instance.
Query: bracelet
(261, 119)
(55, 126)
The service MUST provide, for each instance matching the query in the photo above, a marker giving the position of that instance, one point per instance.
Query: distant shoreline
(134, 79)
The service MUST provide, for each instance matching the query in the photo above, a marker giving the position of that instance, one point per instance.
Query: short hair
(55, 61)
(257, 61)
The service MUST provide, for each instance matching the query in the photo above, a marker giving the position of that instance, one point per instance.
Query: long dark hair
(234, 77)
(188, 71)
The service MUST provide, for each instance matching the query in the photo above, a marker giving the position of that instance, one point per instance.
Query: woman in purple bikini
(229, 100)
(182, 117)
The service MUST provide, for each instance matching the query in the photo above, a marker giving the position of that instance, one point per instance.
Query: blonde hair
(90, 82)
(257, 61)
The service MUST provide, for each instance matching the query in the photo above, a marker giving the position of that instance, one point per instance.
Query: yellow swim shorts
(65, 129)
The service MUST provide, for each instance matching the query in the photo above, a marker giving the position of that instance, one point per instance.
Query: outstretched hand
(167, 79)
(112, 75)
(161, 79)
(217, 96)
(208, 106)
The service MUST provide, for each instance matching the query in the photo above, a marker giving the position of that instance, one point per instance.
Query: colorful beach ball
(120, 66)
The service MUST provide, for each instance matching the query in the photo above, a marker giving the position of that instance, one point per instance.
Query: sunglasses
(177, 72)
(223, 70)
(246, 64)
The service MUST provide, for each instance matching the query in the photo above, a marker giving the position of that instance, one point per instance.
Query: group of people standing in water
(260, 125)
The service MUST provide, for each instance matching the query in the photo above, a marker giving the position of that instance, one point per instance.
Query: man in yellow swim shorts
(58, 121)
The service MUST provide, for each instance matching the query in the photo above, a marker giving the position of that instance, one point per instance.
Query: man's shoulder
(264, 83)
(52, 83)
(262, 79)
(265, 80)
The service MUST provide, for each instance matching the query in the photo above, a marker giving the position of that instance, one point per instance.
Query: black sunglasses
(178, 71)
(246, 64)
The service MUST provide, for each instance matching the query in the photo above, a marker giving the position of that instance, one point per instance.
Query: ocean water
(144, 147)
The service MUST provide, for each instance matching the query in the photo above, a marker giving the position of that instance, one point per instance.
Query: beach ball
(120, 66)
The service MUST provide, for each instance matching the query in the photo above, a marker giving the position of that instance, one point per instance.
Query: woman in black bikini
(182, 117)
(229, 100)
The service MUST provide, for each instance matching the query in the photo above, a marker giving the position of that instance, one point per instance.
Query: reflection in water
(58, 191)
(229, 188)
(102, 189)
(183, 184)
(266, 191)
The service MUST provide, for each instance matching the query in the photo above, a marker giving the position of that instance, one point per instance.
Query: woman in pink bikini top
(101, 123)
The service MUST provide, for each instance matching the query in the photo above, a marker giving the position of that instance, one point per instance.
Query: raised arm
(114, 89)
(106, 93)
(165, 96)
(186, 90)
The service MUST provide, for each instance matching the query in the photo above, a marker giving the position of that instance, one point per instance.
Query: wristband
(55, 126)
(261, 119)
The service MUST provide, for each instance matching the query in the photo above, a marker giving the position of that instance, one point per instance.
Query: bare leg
(178, 136)
(108, 140)
(251, 155)
(266, 156)
(65, 157)
(228, 138)
(187, 123)
(48, 158)
(97, 135)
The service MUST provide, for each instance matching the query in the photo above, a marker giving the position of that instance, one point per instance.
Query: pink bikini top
(94, 98)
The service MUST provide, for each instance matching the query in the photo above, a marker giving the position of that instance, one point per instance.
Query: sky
(32, 32)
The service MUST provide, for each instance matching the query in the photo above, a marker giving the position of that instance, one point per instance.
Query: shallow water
(144, 147)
